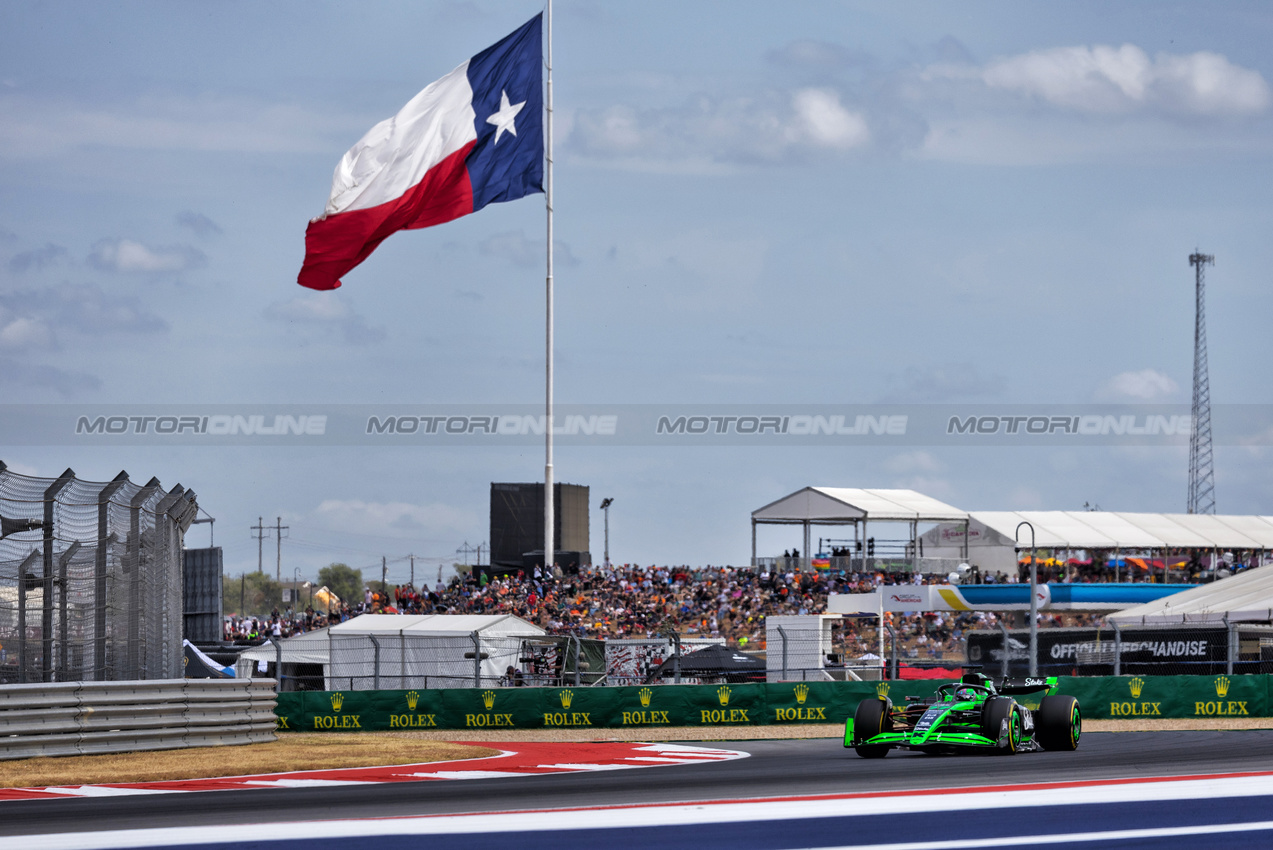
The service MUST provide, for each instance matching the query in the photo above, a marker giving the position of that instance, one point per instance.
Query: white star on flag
(503, 120)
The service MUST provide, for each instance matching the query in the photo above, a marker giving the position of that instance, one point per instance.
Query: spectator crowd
(630, 601)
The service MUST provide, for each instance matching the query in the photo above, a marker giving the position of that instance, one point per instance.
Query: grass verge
(290, 752)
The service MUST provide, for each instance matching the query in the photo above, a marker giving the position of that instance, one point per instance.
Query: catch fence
(464, 660)
(90, 578)
(1166, 650)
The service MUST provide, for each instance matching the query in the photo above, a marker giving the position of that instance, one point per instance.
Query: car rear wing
(1028, 685)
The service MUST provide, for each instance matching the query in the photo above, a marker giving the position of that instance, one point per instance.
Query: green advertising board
(1099, 697)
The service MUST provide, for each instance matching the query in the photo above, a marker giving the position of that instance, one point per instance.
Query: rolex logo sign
(489, 718)
(801, 712)
(1222, 707)
(343, 721)
(723, 714)
(566, 697)
(646, 716)
(1136, 686)
(882, 689)
(412, 720)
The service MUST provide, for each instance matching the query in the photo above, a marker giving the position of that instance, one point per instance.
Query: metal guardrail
(81, 718)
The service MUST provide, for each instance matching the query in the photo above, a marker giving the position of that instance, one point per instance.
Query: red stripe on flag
(336, 244)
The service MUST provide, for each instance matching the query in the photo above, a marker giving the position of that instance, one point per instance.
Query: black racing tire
(994, 712)
(1058, 723)
(871, 718)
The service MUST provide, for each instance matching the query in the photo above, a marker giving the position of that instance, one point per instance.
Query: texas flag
(472, 138)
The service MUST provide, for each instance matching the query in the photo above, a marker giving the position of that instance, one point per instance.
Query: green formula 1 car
(972, 714)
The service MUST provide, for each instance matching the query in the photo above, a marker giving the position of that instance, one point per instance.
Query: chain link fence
(474, 660)
(90, 578)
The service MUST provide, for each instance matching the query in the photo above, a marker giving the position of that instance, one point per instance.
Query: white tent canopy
(309, 648)
(832, 505)
(1245, 597)
(1130, 531)
(852, 506)
(426, 651)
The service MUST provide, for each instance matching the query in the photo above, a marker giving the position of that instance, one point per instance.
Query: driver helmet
(965, 693)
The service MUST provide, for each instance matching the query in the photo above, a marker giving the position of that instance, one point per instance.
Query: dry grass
(290, 752)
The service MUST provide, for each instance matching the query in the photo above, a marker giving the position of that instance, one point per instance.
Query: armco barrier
(733, 705)
(77, 718)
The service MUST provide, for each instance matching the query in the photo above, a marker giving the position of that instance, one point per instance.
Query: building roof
(831, 505)
(1245, 597)
(435, 624)
(1120, 530)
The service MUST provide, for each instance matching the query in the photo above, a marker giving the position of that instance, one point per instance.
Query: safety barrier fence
(81, 718)
(736, 704)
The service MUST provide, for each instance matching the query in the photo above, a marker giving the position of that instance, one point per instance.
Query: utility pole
(384, 571)
(1202, 483)
(605, 508)
(259, 528)
(279, 528)
(412, 569)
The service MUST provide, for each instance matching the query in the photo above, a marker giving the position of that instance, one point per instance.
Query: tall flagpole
(549, 558)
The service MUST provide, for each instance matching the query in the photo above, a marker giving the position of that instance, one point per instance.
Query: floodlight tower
(1202, 484)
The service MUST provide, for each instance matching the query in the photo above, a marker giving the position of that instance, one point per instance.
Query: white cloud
(394, 519)
(325, 310)
(38, 127)
(709, 132)
(1117, 80)
(1145, 385)
(84, 308)
(824, 122)
(25, 334)
(125, 255)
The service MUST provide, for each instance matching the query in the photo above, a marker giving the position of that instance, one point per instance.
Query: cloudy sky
(903, 203)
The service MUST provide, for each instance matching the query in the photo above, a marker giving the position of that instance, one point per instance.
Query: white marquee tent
(424, 651)
(853, 506)
(309, 648)
(992, 534)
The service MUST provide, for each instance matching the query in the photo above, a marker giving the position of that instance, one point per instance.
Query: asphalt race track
(774, 768)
